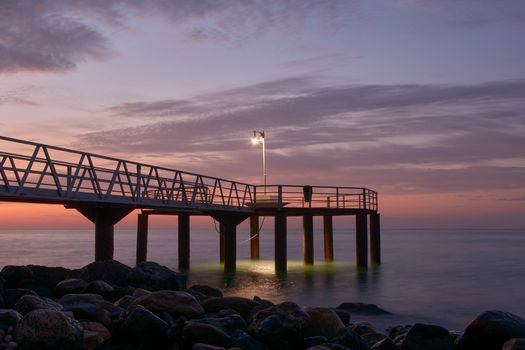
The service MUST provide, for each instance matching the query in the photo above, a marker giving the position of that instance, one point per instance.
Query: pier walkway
(106, 189)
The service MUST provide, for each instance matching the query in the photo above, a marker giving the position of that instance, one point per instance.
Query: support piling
(361, 241)
(328, 233)
(280, 242)
(142, 238)
(375, 239)
(254, 237)
(308, 239)
(184, 241)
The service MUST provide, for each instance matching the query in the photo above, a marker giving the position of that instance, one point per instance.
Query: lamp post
(259, 137)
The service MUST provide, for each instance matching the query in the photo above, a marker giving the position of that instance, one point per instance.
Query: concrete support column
(222, 233)
(229, 224)
(375, 239)
(280, 242)
(104, 219)
(308, 239)
(328, 233)
(142, 238)
(361, 240)
(254, 237)
(184, 241)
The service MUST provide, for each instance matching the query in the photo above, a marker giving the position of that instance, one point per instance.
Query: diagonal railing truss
(42, 173)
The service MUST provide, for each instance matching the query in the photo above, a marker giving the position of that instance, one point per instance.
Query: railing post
(279, 197)
(364, 198)
(337, 197)
(254, 204)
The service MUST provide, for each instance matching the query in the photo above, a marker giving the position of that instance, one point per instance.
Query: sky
(421, 100)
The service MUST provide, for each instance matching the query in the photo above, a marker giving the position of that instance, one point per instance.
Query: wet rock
(203, 346)
(227, 324)
(82, 305)
(109, 271)
(491, 329)
(125, 301)
(243, 340)
(28, 303)
(347, 337)
(144, 327)
(48, 277)
(514, 344)
(344, 316)
(373, 338)
(281, 326)
(241, 305)
(206, 290)
(313, 341)
(361, 308)
(17, 276)
(205, 333)
(152, 276)
(173, 302)
(324, 322)
(70, 286)
(48, 329)
(385, 344)
(227, 312)
(11, 296)
(140, 292)
(395, 331)
(95, 334)
(363, 328)
(100, 288)
(8, 318)
(427, 337)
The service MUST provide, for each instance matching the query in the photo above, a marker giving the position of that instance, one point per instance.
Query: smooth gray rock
(28, 303)
(100, 288)
(70, 286)
(239, 304)
(347, 337)
(144, 327)
(48, 329)
(362, 308)
(11, 296)
(109, 271)
(8, 318)
(174, 302)
(207, 290)
(152, 276)
(385, 344)
(281, 326)
(514, 344)
(228, 324)
(324, 322)
(427, 337)
(243, 340)
(205, 333)
(491, 329)
(82, 305)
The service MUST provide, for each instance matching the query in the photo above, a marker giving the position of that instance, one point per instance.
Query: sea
(444, 277)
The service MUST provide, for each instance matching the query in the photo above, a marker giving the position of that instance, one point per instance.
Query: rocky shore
(108, 305)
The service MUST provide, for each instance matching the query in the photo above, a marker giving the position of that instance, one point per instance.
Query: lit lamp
(258, 137)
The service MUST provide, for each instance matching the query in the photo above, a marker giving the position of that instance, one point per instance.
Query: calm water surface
(435, 276)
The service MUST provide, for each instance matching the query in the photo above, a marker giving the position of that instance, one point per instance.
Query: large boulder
(110, 271)
(152, 276)
(48, 277)
(385, 344)
(28, 303)
(173, 302)
(347, 337)
(243, 340)
(17, 276)
(70, 286)
(95, 334)
(144, 327)
(48, 329)
(514, 344)
(206, 290)
(11, 296)
(362, 308)
(205, 333)
(281, 326)
(491, 329)
(324, 322)
(228, 324)
(101, 288)
(82, 305)
(8, 318)
(427, 337)
(242, 305)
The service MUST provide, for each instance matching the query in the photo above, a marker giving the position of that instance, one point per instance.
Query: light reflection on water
(444, 277)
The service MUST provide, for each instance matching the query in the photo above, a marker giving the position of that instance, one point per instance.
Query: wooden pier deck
(106, 189)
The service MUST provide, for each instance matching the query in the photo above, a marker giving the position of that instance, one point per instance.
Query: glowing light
(256, 140)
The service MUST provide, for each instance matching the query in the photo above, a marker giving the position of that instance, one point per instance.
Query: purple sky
(421, 100)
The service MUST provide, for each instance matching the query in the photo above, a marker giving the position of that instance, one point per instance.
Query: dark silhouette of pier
(106, 189)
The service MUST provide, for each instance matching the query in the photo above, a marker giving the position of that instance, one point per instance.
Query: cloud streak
(413, 137)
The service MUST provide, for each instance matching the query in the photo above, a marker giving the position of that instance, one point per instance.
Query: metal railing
(335, 197)
(42, 173)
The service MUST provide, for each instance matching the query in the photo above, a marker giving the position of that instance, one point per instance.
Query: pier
(106, 189)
